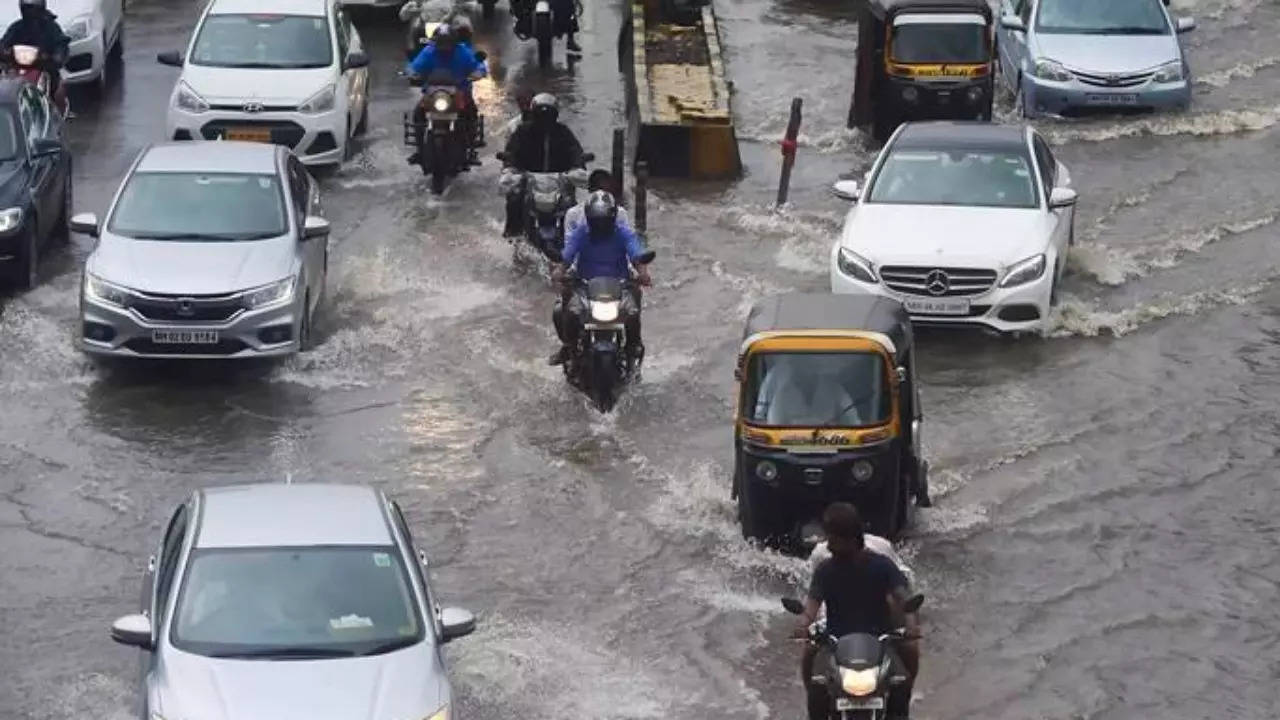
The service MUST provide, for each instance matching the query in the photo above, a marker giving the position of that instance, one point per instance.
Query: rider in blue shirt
(445, 53)
(601, 247)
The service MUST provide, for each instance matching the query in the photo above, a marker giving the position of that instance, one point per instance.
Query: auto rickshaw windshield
(933, 39)
(814, 389)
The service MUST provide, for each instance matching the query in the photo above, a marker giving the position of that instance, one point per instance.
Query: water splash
(1075, 317)
(1226, 122)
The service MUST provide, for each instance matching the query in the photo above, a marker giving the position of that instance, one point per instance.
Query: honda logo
(186, 307)
(937, 283)
(253, 107)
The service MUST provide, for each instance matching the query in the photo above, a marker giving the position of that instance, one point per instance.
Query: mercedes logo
(253, 107)
(186, 307)
(937, 283)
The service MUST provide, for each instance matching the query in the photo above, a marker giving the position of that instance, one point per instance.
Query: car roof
(882, 7)
(831, 311)
(211, 156)
(315, 8)
(961, 135)
(291, 515)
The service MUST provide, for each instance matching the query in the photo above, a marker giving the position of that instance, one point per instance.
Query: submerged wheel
(305, 341)
(887, 522)
(26, 271)
(542, 31)
(604, 382)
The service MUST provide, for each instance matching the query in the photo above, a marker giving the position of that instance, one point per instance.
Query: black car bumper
(915, 100)
(800, 487)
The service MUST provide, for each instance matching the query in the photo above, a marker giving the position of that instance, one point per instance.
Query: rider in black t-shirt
(864, 592)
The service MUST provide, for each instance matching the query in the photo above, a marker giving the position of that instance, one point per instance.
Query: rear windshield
(1102, 17)
(932, 43)
(802, 389)
(200, 206)
(965, 178)
(263, 41)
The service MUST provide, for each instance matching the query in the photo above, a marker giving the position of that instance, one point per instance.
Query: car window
(1048, 164)
(200, 206)
(321, 601)
(1102, 17)
(263, 40)
(299, 187)
(170, 554)
(977, 178)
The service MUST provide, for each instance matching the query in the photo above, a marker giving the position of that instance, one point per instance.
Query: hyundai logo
(186, 307)
(937, 283)
(253, 107)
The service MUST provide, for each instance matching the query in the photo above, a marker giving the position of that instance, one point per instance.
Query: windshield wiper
(1125, 30)
(390, 646)
(286, 653)
(211, 237)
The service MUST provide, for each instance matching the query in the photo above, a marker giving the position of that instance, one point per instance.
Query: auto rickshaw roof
(828, 312)
(887, 8)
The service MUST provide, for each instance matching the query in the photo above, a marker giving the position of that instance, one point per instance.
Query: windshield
(804, 389)
(8, 138)
(933, 42)
(191, 206)
(263, 41)
(299, 602)
(969, 178)
(1102, 17)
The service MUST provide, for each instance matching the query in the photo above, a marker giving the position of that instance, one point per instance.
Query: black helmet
(31, 8)
(461, 28)
(602, 213)
(443, 37)
(544, 108)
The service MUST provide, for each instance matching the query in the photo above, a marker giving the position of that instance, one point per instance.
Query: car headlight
(856, 266)
(277, 293)
(1047, 69)
(321, 102)
(606, 311)
(1025, 271)
(10, 219)
(189, 100)
(1169, 72)
(105, 292)
(79, 28)
(859, 682)
(441, 102)
(441, 714)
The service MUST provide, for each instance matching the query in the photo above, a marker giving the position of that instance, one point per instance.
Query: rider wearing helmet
(39, 28)
(541, 145)
(602, 247)
(444, 52)
(598, 180)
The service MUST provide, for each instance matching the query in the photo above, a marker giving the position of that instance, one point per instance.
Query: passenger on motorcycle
(542, 145)
(863, 592)
(445, 53)
(577, 215)
(39, 28)
(602, 247)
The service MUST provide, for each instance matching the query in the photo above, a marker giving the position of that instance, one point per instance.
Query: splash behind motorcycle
(858, 670)
(28, 62)
(441, 134)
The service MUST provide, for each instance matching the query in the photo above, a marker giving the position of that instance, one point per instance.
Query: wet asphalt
(1104, 540)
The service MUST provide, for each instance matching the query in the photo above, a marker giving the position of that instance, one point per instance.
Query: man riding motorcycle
(602, 247)
(541, 145)
(597, 180)
(864, 592)
(564, 11)
(39, 28)
(445, 53)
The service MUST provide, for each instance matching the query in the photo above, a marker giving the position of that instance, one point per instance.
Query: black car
(35, 180)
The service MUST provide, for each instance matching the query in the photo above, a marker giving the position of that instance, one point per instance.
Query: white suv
(290, 72)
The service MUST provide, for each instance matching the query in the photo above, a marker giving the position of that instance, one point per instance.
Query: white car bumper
(85, 60)
(316, 139)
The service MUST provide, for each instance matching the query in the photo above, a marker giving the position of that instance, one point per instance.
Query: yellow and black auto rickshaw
(828, 411)
(922, 60)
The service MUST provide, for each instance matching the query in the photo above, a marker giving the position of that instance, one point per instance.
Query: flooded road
(1104, 538)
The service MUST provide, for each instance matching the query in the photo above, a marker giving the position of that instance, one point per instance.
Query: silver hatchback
(209, 250)
(291, 602)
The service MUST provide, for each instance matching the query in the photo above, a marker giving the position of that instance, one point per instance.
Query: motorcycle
(536, 19)
(25, 62)
(860, 671)
(547, 198)
(446, 147)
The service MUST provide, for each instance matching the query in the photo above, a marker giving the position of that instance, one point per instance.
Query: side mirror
(502, 157)
(456, 623)
(85, 224)
(588, 157)
(847, 190)
(133, 630)
(913, 603)
(355, 59)
(1186, 25)
(1013, 23)
(44, 147)
(646, 257)
(314, 227)
(172, 57)
(793, 606)
(1062, 197)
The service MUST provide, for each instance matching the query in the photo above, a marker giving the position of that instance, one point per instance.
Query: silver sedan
(209, 250)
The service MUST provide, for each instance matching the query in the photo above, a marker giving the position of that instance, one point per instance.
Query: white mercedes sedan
(965, 223)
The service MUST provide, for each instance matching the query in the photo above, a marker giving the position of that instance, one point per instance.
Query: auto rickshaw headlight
(862, 471)
(767, 471)
(974, 96)
(910, 94)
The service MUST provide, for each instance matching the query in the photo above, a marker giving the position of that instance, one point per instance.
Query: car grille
(242, 107)
(283, 132)
(937, 282)
(143, 346)
(185, 308)
(1119, 80)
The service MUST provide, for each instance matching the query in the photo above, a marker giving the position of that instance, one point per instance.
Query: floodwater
(1104, 541)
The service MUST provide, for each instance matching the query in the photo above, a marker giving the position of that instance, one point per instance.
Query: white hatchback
(965, 223)
(289, 72)
(95, 27)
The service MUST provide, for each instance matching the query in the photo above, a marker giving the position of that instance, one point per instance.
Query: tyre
(348, 143)
(542, 31)
(438, 182)
(62, 229)
(922, 486)
(25, 273)
(604, 381)
(362, 127)
(305, 342)
(752, 529)
(887, 522)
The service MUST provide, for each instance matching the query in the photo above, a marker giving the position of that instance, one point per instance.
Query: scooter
(26, 62)
(860, 671)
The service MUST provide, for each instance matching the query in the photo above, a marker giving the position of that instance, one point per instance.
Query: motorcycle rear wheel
(542, 31)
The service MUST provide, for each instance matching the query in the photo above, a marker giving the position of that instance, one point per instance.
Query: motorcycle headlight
(1047, 69)
(859, 683)
(856, 266)
(1025, 271)
(1169, 72)
(189, 100)
(105, 292)
(605, 311)
(441, 102)
(546, 201)
(10, 219)
(277, 293)
(321, 102)
(79, 28)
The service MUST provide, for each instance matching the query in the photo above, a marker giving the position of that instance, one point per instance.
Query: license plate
(1112, 99)
(184, 337)
(920, 306)
(248, 134)
(871, 703)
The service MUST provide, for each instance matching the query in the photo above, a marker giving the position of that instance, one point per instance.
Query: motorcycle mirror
(646, 257)
(914, 602)
(172, 58)
(588, 157)
(793, 606)
(482, 55)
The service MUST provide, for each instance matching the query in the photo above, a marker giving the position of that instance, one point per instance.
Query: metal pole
(619, 148)
(642, 196)
(789, 151)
